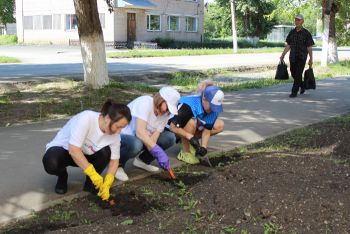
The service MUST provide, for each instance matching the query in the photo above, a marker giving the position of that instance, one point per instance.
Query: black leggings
(57, 159)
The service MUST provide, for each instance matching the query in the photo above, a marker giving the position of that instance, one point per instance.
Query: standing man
(299, 42)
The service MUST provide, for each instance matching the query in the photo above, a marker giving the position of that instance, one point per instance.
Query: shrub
(8, 39)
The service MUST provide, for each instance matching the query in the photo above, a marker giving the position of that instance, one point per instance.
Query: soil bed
(298, 182)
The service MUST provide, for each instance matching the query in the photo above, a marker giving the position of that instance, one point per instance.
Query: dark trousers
(296, 69)
(57, 159)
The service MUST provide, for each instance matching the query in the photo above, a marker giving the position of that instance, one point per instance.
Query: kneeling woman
(144, 138)
(89, 140)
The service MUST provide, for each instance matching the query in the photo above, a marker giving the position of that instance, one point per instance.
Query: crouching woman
(89, 140)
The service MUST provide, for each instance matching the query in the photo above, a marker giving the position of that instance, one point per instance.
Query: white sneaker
(138, 163)
(121, 175)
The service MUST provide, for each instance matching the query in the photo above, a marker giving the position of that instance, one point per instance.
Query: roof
(140, 4)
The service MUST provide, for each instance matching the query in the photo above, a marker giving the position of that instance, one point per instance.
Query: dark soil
(302, 186)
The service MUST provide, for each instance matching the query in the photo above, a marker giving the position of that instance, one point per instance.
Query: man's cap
(299, 16)
(215, 97)
(171, 97)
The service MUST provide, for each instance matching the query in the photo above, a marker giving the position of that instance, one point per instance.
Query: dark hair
(115, 111)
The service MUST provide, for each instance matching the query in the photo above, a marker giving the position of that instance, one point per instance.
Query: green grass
(332, 70)
(185, 52)
(8, 39)
(5, 59)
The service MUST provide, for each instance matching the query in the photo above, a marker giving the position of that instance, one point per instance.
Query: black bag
(282, 71)
(309, 79)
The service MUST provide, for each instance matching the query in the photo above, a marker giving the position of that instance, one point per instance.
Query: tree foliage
(342, 24)
(6, 11)
(252, 18)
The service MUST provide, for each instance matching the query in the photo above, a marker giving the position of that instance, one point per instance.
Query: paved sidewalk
(249, 116)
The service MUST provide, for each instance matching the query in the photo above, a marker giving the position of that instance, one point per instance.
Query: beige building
(54, 22)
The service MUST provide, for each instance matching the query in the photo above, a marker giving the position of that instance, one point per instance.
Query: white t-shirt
(143, 108)
(83, 131)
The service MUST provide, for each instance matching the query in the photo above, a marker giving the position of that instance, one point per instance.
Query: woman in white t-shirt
(89, 140)
(145, 136)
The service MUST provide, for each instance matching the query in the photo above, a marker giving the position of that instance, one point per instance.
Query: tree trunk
(329, 44)
(234, 31)
(325, 39)
(332, 43)
(91, 43)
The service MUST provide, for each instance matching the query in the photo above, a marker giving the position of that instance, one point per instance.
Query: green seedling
(94, 207)
(228, 229)
(198, 216)
(127, 222)
(271, 228)
(147, 191)
(61, 215)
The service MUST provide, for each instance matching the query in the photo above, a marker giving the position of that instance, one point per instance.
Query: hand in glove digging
(195, 143)
(96, 178)
(104, 190)
(202, 151)
(161, 157)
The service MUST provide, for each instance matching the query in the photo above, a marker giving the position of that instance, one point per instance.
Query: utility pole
(234, 31)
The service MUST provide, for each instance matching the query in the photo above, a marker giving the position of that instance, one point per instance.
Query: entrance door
(131, 36)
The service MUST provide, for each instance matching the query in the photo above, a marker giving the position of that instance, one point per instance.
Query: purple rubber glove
(161, 157)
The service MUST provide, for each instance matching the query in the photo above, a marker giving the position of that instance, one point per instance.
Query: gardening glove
(195, 143)
(96, 179)
(202, 151)
(161, 157)
(104, 189)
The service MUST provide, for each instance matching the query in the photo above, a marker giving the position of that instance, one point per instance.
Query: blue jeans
(131, 146)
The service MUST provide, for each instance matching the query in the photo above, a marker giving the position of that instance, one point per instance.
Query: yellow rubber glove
(96, 179)
(104, 190)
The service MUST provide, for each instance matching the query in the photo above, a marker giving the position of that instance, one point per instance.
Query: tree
(234, 31)
(342, 24)
(6, 12)
(252, 16)
(217, 21)
(329, 44)
(91, 43)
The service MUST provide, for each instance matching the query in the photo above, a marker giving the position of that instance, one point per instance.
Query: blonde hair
(157, 100)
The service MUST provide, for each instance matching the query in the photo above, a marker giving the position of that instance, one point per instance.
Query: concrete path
(249, 116)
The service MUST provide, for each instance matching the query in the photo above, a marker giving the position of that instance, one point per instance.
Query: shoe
(61, 185)
(192, 150)
(302, 90)
(187, 157)
(138, 163)
(89, 187)
(121, 175)
(292, 95)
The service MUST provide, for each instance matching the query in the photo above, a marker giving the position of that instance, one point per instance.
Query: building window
(37, 22)
(191, 24)
(71, 22)
(153, 22)
(28, 22)
(102, 19)
(56, 22)
(173, 23)
(47, 22)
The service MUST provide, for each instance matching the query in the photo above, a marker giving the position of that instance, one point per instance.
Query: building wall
(51, 7)
(180, 8)
(115, 24)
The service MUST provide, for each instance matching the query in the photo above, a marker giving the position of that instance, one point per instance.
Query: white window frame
(70, 23)
(178, 23)
(196, 23)
(148, 22)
